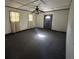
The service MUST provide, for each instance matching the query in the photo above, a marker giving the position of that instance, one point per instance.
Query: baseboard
(34, 28)
(19, 31)
(59, 31)
(51, 30)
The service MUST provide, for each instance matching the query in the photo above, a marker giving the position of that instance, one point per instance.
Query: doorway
(48, 21)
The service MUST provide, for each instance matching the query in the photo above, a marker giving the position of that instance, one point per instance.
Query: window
(47, 17)
(14, 16)
(30, 17)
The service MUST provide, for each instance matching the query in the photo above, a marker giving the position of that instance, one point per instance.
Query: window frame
(10, 16)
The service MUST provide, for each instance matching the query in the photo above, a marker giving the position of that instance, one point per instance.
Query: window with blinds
(30, 17)
(14, 16)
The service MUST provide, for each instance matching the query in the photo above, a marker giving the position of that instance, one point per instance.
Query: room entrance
(48, 21)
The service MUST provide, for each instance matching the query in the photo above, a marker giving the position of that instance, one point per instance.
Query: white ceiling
(47, 6)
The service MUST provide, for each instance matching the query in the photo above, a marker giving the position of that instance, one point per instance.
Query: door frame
(51, 19)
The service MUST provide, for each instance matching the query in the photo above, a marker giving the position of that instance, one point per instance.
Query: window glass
(30, 17)
(14, 16)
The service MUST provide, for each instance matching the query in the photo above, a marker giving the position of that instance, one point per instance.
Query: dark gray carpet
(35, 44)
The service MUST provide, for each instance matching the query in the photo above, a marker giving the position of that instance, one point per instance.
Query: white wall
(59, 21)
(7, 23)
(40, 20)
(23, 19)
(70, 34)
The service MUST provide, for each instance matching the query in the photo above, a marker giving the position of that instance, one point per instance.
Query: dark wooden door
(48, 21)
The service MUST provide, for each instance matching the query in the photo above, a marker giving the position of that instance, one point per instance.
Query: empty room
(39, 29)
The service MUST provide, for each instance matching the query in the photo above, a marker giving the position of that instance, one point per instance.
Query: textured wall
(70, 34)
(23, 19)
(59, 20)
